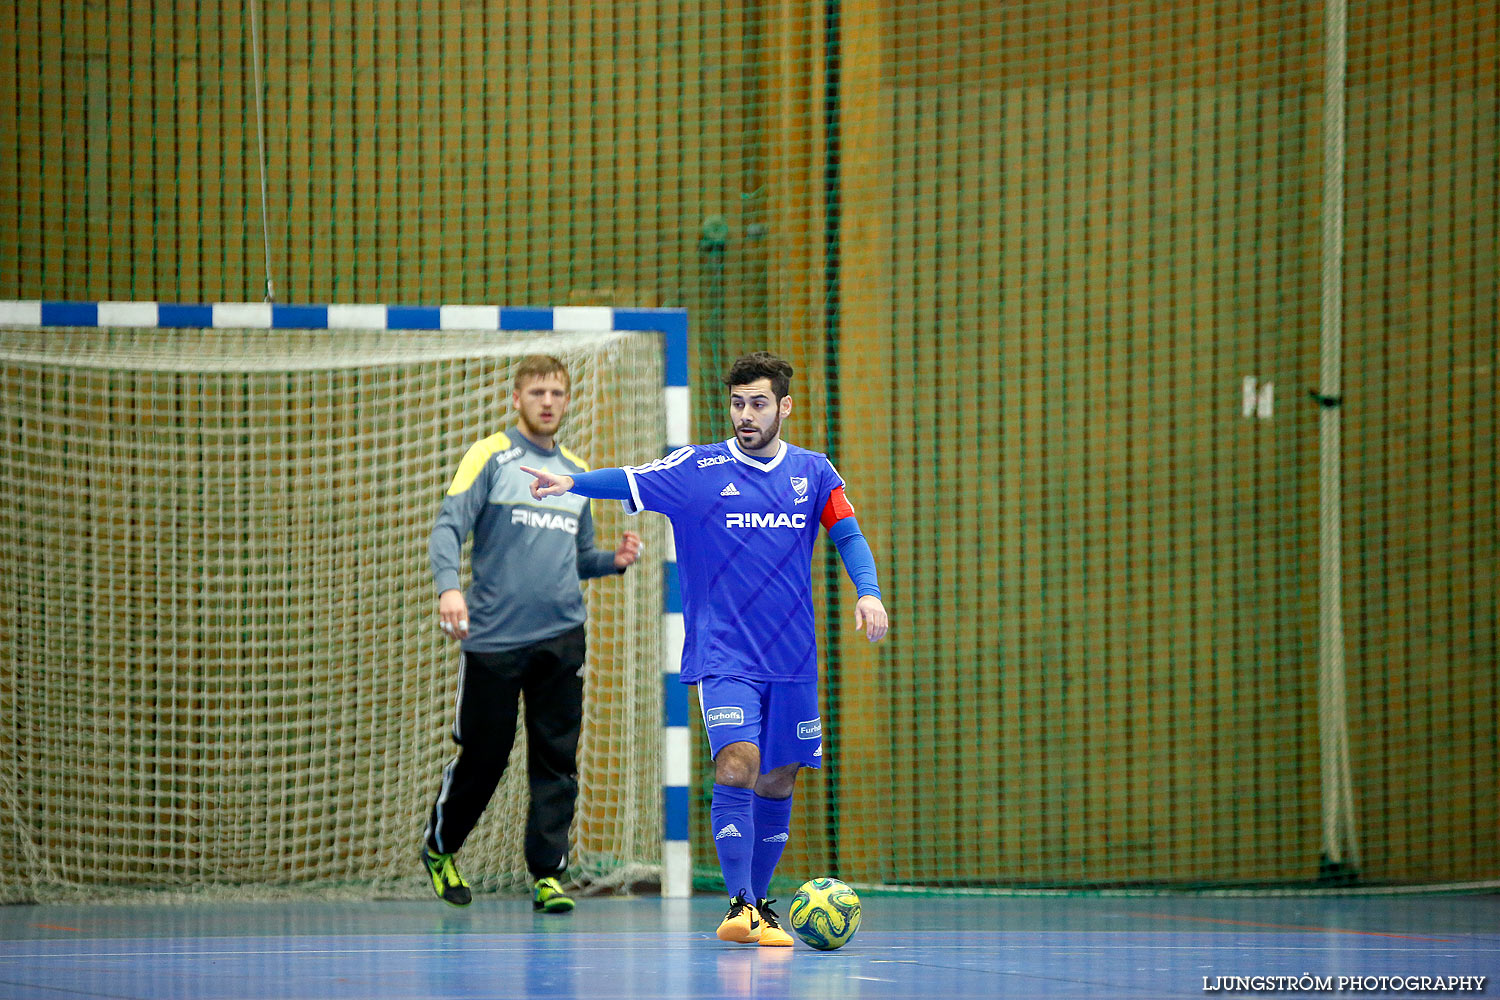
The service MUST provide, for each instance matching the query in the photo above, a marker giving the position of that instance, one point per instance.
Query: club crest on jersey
(799, 486)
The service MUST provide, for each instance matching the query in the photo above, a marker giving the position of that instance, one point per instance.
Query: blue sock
(732, 817)
(773, 818)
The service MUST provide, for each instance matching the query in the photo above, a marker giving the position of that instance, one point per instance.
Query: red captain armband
(837, 508)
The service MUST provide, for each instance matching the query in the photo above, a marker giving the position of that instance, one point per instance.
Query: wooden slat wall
(868, 781)
(1421, 547)
(530, 152)
(51, 74)
(1069, 317)
(12, 264)
(229, 159)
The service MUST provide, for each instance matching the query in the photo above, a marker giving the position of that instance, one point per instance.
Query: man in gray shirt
(521, 629)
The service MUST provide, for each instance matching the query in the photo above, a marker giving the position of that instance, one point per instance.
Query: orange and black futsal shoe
(771, 934)
(742, 924)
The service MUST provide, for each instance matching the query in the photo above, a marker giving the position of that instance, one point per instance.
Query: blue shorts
(779, 717)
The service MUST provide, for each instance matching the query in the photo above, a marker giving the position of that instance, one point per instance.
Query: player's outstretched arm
(870, 618)
(548, 484)
(601, 484)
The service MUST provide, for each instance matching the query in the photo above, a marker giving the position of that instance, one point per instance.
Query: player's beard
(762, 437)
(537, 432)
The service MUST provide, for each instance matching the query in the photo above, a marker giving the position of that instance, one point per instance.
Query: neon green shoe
(446, 881)
(548, 897)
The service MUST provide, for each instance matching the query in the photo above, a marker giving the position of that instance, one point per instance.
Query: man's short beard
(767, 436)
(534, 431)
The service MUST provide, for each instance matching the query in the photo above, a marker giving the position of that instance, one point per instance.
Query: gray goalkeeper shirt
(528, 555)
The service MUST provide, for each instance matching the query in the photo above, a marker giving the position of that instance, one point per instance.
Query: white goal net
(220, 669)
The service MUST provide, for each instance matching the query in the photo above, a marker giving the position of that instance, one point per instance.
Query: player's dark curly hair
(758, 365)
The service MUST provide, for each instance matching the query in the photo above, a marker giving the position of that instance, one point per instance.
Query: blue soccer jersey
(744, 531)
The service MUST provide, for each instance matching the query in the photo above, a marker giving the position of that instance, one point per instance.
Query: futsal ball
(825, 913)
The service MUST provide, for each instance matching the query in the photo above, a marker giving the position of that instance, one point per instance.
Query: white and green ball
(825, 913)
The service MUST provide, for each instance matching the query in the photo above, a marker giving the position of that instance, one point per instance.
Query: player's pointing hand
(870, 617)
(548, 484)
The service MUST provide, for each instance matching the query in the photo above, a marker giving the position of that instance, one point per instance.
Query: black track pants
(547, 673)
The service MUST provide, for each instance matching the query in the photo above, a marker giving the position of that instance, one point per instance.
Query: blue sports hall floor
(1078, 946)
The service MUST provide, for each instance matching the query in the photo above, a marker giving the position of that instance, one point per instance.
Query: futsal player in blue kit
(745, 513)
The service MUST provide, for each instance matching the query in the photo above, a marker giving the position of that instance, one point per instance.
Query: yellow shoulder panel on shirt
(582, 465)
(474, 461)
